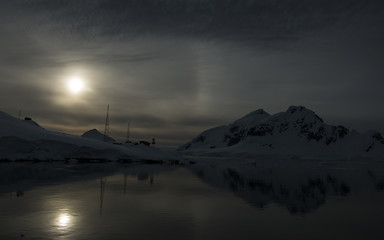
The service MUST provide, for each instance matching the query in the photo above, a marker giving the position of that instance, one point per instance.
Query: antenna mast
(106, 130)
(128, 132)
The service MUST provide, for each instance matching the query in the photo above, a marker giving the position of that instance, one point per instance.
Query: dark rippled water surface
(208, 200)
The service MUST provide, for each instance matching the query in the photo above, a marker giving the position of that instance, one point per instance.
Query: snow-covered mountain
(95, 134)
(297, 132)
(26, 140)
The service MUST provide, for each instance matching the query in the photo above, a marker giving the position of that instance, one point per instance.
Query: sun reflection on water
(63, 220)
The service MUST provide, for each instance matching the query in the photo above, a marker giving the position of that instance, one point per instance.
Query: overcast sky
(173, 68)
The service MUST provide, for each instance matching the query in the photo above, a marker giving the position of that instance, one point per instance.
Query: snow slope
(26, 140)
(297, 132)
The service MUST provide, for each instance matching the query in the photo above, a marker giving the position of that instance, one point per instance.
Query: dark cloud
(176, 67)
(262, 20)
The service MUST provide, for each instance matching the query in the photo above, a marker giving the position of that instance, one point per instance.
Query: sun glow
(75, 85)
(63, 220)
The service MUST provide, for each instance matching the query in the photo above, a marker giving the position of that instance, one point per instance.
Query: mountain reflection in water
(301, 187)
(229, 199)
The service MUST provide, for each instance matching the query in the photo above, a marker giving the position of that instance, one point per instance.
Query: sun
(75, 85)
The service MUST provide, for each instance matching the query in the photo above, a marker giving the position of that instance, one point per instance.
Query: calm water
(209, 200)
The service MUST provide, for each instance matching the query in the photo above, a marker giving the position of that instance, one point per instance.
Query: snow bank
(26, 140)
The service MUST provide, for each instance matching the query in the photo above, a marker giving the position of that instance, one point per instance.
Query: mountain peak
(95, 134)
(259, 111)
(92, 131)
(303, 111)
(293, 109)
(252, 117)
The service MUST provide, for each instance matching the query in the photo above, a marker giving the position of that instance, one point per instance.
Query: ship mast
(106, 130)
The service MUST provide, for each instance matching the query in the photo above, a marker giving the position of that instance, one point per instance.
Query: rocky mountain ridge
(297, 131)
